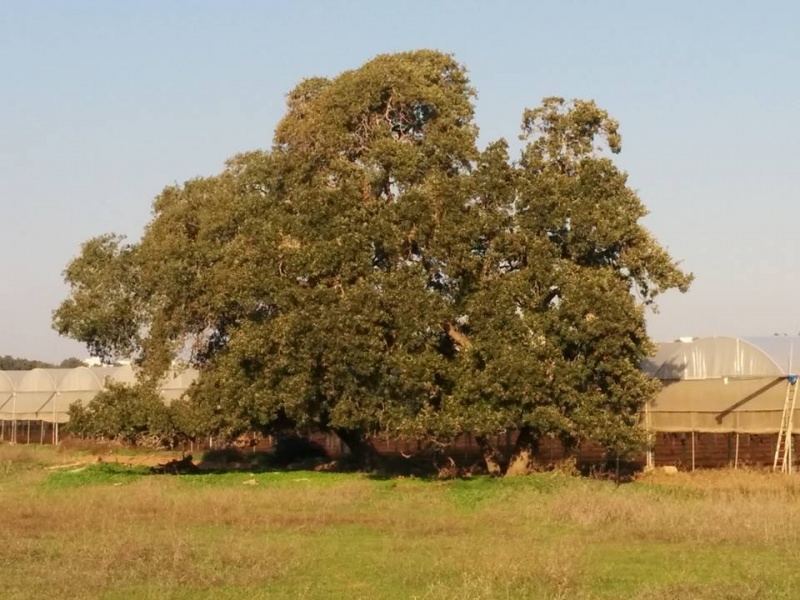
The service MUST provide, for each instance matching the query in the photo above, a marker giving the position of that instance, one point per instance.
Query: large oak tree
(376, 272)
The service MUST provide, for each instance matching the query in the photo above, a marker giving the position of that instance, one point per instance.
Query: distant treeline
(14, 363)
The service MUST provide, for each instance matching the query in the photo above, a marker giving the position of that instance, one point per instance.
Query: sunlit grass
(105, 530)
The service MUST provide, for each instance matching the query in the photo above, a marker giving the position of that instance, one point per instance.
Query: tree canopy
(375, 271)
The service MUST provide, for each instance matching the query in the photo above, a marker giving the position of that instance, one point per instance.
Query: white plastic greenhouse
(44, 396)
(722, 384)
(727, 385)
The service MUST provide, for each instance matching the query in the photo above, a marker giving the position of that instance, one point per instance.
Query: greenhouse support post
(14, 417)
(55, 425)
(55, 421)
(736, 453)
(650, 458)
(692, 426)
(729, 444)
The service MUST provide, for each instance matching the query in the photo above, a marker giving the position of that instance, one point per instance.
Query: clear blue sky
(104, 103)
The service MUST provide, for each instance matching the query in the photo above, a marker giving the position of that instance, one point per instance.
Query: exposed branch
(457, 336)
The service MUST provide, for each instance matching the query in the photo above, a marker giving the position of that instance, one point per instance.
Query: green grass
(100, 474)
(109, 531)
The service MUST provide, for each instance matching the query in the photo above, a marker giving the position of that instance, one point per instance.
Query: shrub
(130, 414)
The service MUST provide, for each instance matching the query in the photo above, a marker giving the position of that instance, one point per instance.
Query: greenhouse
(724, 385)
(43, 396)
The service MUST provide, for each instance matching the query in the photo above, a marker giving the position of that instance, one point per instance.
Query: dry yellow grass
(104, 532)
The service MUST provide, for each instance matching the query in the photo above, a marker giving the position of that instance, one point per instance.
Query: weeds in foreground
(111, 531)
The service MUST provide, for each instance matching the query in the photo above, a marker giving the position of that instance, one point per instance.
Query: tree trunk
(570, 445)
(360, 448)
(524, 450)
(491, 456)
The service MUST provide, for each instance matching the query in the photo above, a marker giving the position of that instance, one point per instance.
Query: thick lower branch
(524, 452)
(360, 447)
(491, 456)
(458, 337)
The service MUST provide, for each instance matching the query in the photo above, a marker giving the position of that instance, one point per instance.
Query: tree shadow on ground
(290, 453)
(301, 454)
(231, 460)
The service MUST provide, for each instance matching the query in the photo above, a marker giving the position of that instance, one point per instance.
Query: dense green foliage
(130, 414)
(377, 272)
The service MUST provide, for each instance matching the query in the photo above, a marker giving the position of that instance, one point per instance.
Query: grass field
(112, 531)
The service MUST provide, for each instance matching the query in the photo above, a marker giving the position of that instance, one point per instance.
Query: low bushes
(129, 414)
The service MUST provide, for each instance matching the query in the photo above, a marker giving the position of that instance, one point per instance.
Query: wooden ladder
(783, 449)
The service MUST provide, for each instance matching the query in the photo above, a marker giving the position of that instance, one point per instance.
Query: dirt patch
(133, 460)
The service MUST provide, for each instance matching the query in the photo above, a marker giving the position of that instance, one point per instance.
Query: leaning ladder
(783, 449)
